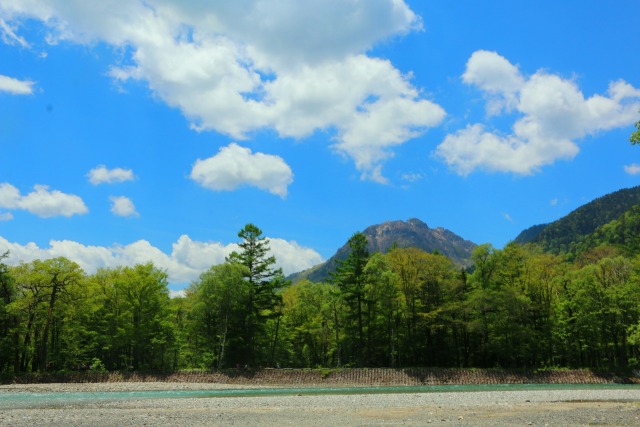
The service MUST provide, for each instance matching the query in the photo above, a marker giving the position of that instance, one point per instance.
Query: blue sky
(155, 130)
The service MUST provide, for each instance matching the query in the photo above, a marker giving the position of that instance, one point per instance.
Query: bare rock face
(403, 234)
(415, 233)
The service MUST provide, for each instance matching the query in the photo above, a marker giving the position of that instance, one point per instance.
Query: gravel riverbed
(558, 407)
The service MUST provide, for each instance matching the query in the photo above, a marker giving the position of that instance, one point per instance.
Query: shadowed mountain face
(404, 234)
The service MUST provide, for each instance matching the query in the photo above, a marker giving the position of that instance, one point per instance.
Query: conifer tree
(350, 279)
(263, 279)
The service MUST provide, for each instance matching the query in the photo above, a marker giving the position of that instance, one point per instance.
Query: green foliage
(97, 365)
(263, 301)
(635, 136)
(127, 319)
(311, 314)
(519, 307)
(622, 232)
(8, 321)
(48, 293)
(219, 300)
(350, 279)
(569, 232)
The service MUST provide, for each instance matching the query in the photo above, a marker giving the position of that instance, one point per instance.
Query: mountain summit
(415, 233)
(403, 234)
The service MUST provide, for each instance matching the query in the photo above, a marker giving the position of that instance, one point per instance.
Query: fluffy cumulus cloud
(235, 166)
(551, 115)
(184, 264)
(123, 206)
(237, 67)
(41, 201)
(15, 86)
(102, 175)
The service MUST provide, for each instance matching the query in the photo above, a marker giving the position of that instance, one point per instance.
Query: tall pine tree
(263, 279)
(350, 279)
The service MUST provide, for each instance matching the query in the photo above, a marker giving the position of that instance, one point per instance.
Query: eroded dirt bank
(342, 377)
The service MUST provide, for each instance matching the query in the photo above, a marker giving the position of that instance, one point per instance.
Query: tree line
(519, 307)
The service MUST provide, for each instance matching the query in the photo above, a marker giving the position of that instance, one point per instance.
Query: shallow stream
(27, 399)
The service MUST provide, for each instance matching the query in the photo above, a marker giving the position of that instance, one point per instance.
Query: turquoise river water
(12, 399)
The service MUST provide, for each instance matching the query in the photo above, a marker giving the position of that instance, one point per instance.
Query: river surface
(29, 399)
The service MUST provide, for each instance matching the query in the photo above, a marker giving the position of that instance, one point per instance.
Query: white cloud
(42, 201)
(235, 166)
(9, 36)
(9, 196)
(412, 177)
(15, 86)
(552, 115)
(632, 169)
(123, 206)
(292, 257)
(102, 175)
(177, 294)
(497, 77)
(237, 67)
(554, 202)
(184, 264)
(6, 216)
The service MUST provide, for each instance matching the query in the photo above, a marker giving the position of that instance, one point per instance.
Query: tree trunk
(42, 365)
(223, 341)
(275, 340)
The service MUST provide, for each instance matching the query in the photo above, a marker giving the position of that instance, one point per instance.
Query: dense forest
(567, 234)
(518, 307)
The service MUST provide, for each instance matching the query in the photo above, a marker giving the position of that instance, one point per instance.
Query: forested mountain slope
(403, 234)
(622, 233)
(567, 233)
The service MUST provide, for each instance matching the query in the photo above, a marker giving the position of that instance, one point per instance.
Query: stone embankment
(343, 377)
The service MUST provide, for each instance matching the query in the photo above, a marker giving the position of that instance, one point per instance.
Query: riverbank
(375, 377)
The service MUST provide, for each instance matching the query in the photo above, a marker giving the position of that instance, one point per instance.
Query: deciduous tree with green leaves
(308, 318)
(635, 136)
(8, 322)
(220, 297)
(45, 290)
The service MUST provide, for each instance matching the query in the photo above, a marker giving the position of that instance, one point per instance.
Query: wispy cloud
(632, 169)
(9, 36)
(412, 177)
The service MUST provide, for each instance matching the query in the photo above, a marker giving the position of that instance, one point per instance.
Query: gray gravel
(555, 407)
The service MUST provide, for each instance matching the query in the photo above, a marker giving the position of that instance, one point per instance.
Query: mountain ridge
(566, 233)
